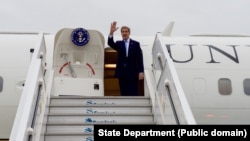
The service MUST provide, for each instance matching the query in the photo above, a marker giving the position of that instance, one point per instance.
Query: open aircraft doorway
(111, 84)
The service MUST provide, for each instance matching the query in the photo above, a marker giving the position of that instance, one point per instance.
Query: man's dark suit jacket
(134, 61)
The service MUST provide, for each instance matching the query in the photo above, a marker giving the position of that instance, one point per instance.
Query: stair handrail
(169, 89)
(23, 127)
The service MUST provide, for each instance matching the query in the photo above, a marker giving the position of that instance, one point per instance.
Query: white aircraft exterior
(16, 53)
(212, 70)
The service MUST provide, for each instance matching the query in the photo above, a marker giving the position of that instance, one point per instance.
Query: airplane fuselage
(214, 73)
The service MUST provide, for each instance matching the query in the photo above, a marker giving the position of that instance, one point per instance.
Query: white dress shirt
(127, 46)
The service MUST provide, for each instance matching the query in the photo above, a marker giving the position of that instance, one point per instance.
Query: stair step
(100, 109)
(79, 129)
(106, 100)
(72, 137)
(72, 118)
(105, 119)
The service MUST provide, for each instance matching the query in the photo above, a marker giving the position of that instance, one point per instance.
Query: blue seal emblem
(80, 36)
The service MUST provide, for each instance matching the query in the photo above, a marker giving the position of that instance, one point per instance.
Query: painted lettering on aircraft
(211, 49)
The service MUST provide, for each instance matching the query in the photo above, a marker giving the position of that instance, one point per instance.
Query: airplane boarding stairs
(44, 116)
(72, 118)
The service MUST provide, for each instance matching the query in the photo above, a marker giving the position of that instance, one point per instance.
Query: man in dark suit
(129, 65)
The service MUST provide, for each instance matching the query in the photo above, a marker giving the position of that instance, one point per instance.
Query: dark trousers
(128, 86)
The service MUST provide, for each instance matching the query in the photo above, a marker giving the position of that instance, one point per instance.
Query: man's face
(125, 33)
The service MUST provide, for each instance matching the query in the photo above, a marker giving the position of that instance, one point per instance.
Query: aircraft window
(1, 84)
(225, 87)
(246, 86)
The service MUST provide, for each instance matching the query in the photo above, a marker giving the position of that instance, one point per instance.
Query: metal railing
(169, 100)
(34, 89)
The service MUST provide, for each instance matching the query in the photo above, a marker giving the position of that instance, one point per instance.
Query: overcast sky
(145, 17)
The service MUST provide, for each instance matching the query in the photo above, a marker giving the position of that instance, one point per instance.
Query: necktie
(126, 45)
